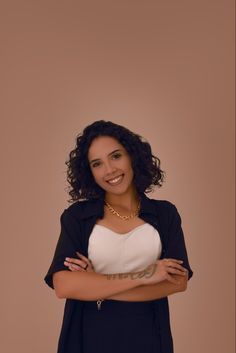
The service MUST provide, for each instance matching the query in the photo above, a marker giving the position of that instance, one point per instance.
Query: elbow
(64, 289)
(59, 295)
(183, 287)
(183, 283)
(58, 284)
(58, 291)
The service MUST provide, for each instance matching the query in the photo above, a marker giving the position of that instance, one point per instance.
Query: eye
(95, 164)
(116, 155)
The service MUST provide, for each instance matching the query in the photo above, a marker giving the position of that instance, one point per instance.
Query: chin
(121, 191)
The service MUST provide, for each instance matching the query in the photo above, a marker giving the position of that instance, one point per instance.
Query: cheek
(96, 175)
(129, 167)
(131, 174)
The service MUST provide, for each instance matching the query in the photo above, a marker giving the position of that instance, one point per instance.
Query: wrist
(141, 277)
(146, 275)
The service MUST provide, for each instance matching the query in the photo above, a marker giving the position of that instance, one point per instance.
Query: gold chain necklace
(125, 218)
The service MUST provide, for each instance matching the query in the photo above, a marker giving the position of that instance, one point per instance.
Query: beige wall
(163, 69)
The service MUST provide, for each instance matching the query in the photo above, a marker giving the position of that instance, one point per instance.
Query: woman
(119, 254)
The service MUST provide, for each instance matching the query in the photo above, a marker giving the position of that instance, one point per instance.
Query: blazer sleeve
(176, 247)
(67, 245)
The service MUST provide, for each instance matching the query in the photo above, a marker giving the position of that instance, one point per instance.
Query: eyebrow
(108, 155)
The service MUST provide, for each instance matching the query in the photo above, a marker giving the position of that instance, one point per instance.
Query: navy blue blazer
(77, 222)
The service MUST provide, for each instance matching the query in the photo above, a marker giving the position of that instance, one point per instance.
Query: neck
(127, 201)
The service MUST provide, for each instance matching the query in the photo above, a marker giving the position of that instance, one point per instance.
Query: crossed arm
(141, 292)
(153, 291)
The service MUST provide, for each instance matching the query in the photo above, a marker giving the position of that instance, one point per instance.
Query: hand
(161, 270)
(79, 265)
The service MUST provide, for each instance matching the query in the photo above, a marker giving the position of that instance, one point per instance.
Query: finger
(174, 260)
(84, 258)
(71, 265)
(173, 263)
(72, 269)
(76, 267)
(175, 271)
(66, 263)
(173, 280)
(87, 261)
(75, 261)
(176, 265)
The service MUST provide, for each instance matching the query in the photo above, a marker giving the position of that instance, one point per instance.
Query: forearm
(94, 286)
(151, 291)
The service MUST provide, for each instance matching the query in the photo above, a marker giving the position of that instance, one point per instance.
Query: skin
(109, 159)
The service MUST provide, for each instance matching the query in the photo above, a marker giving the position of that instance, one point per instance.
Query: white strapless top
(112, 252)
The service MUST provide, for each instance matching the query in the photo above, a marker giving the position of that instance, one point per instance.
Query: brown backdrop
(163, 69)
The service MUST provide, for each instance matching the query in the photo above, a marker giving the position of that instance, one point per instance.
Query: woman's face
(110, 165)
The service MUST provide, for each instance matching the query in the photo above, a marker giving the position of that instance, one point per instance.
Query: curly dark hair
(146, 167)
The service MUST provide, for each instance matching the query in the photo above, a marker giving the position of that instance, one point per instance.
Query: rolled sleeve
(176, 247)
(67, 245)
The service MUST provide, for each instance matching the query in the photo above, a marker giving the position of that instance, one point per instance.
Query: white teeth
(116, 180)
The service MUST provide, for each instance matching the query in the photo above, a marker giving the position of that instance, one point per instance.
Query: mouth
(116, 180)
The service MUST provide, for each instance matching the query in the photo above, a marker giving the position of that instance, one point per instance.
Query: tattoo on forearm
(147, 273)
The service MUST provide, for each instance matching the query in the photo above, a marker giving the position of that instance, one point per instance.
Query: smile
(116, 181)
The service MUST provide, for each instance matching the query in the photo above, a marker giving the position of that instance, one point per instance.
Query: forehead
(103, 145)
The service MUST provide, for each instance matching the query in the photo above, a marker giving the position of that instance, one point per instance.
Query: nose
(109, 168)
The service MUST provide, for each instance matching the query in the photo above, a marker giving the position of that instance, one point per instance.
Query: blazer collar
(95, 207)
